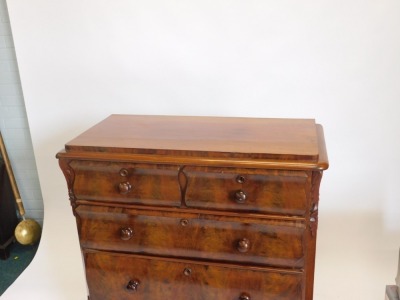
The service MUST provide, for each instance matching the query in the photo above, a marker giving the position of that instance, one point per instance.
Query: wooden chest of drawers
(197, 207)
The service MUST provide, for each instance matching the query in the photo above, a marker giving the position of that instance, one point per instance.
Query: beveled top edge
(195, 136)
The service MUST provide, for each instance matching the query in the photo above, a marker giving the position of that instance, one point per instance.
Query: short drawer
(126, 182)
(117, 276)
(251, 190)
(198, 236)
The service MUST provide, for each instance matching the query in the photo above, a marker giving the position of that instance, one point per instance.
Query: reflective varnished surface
(197, 207)
(202, 136)
(251, 190)
(183, 280)
(195, 236)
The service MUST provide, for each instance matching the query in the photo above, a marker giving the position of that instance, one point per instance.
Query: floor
(11, 268)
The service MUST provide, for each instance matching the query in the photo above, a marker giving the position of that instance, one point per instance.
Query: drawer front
(170, 234)
(127, 183)
(118, 276)
(260, 191)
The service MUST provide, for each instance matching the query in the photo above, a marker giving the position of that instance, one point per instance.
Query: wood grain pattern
(195, 236)
(202, 136)
(182, 280)
(268, 191)
(197, 207)
(150, 184)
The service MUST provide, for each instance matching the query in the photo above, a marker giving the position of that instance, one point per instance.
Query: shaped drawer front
(126, 182)
(117, 276)
(251, 190)
(170, 234)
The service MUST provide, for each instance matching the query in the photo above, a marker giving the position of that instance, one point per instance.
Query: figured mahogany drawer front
(244, 240)
(263, 191)
(118, 276)
(126, 182)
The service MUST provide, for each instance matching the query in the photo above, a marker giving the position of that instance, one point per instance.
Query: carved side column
(70, 177)
(316, 180)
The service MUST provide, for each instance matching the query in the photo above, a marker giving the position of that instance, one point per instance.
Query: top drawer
(126, 182)
(251, 190)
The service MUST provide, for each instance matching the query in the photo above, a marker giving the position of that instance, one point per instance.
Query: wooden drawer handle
(240, 196)
(124, 187)
(244, 296)
(133, 285)
(243, 245)
(126, 233)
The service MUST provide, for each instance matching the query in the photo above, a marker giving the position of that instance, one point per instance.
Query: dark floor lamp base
(5, 248)
(393, 291)
(8, 213)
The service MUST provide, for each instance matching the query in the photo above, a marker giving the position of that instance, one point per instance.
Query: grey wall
(14, 124)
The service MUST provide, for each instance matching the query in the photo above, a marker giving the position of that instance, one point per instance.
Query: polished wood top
(258, 138)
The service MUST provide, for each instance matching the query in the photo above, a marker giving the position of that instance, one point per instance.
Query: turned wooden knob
(133, 285)
(244, 296)
(240, 196)
(126, 233)
(243, 245)
(124, 187)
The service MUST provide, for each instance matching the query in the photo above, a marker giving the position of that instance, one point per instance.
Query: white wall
(335, 61)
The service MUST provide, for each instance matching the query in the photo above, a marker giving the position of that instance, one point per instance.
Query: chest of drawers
(197, 208)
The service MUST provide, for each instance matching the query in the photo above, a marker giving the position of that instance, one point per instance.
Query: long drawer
(268, 242)
(119, 276)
